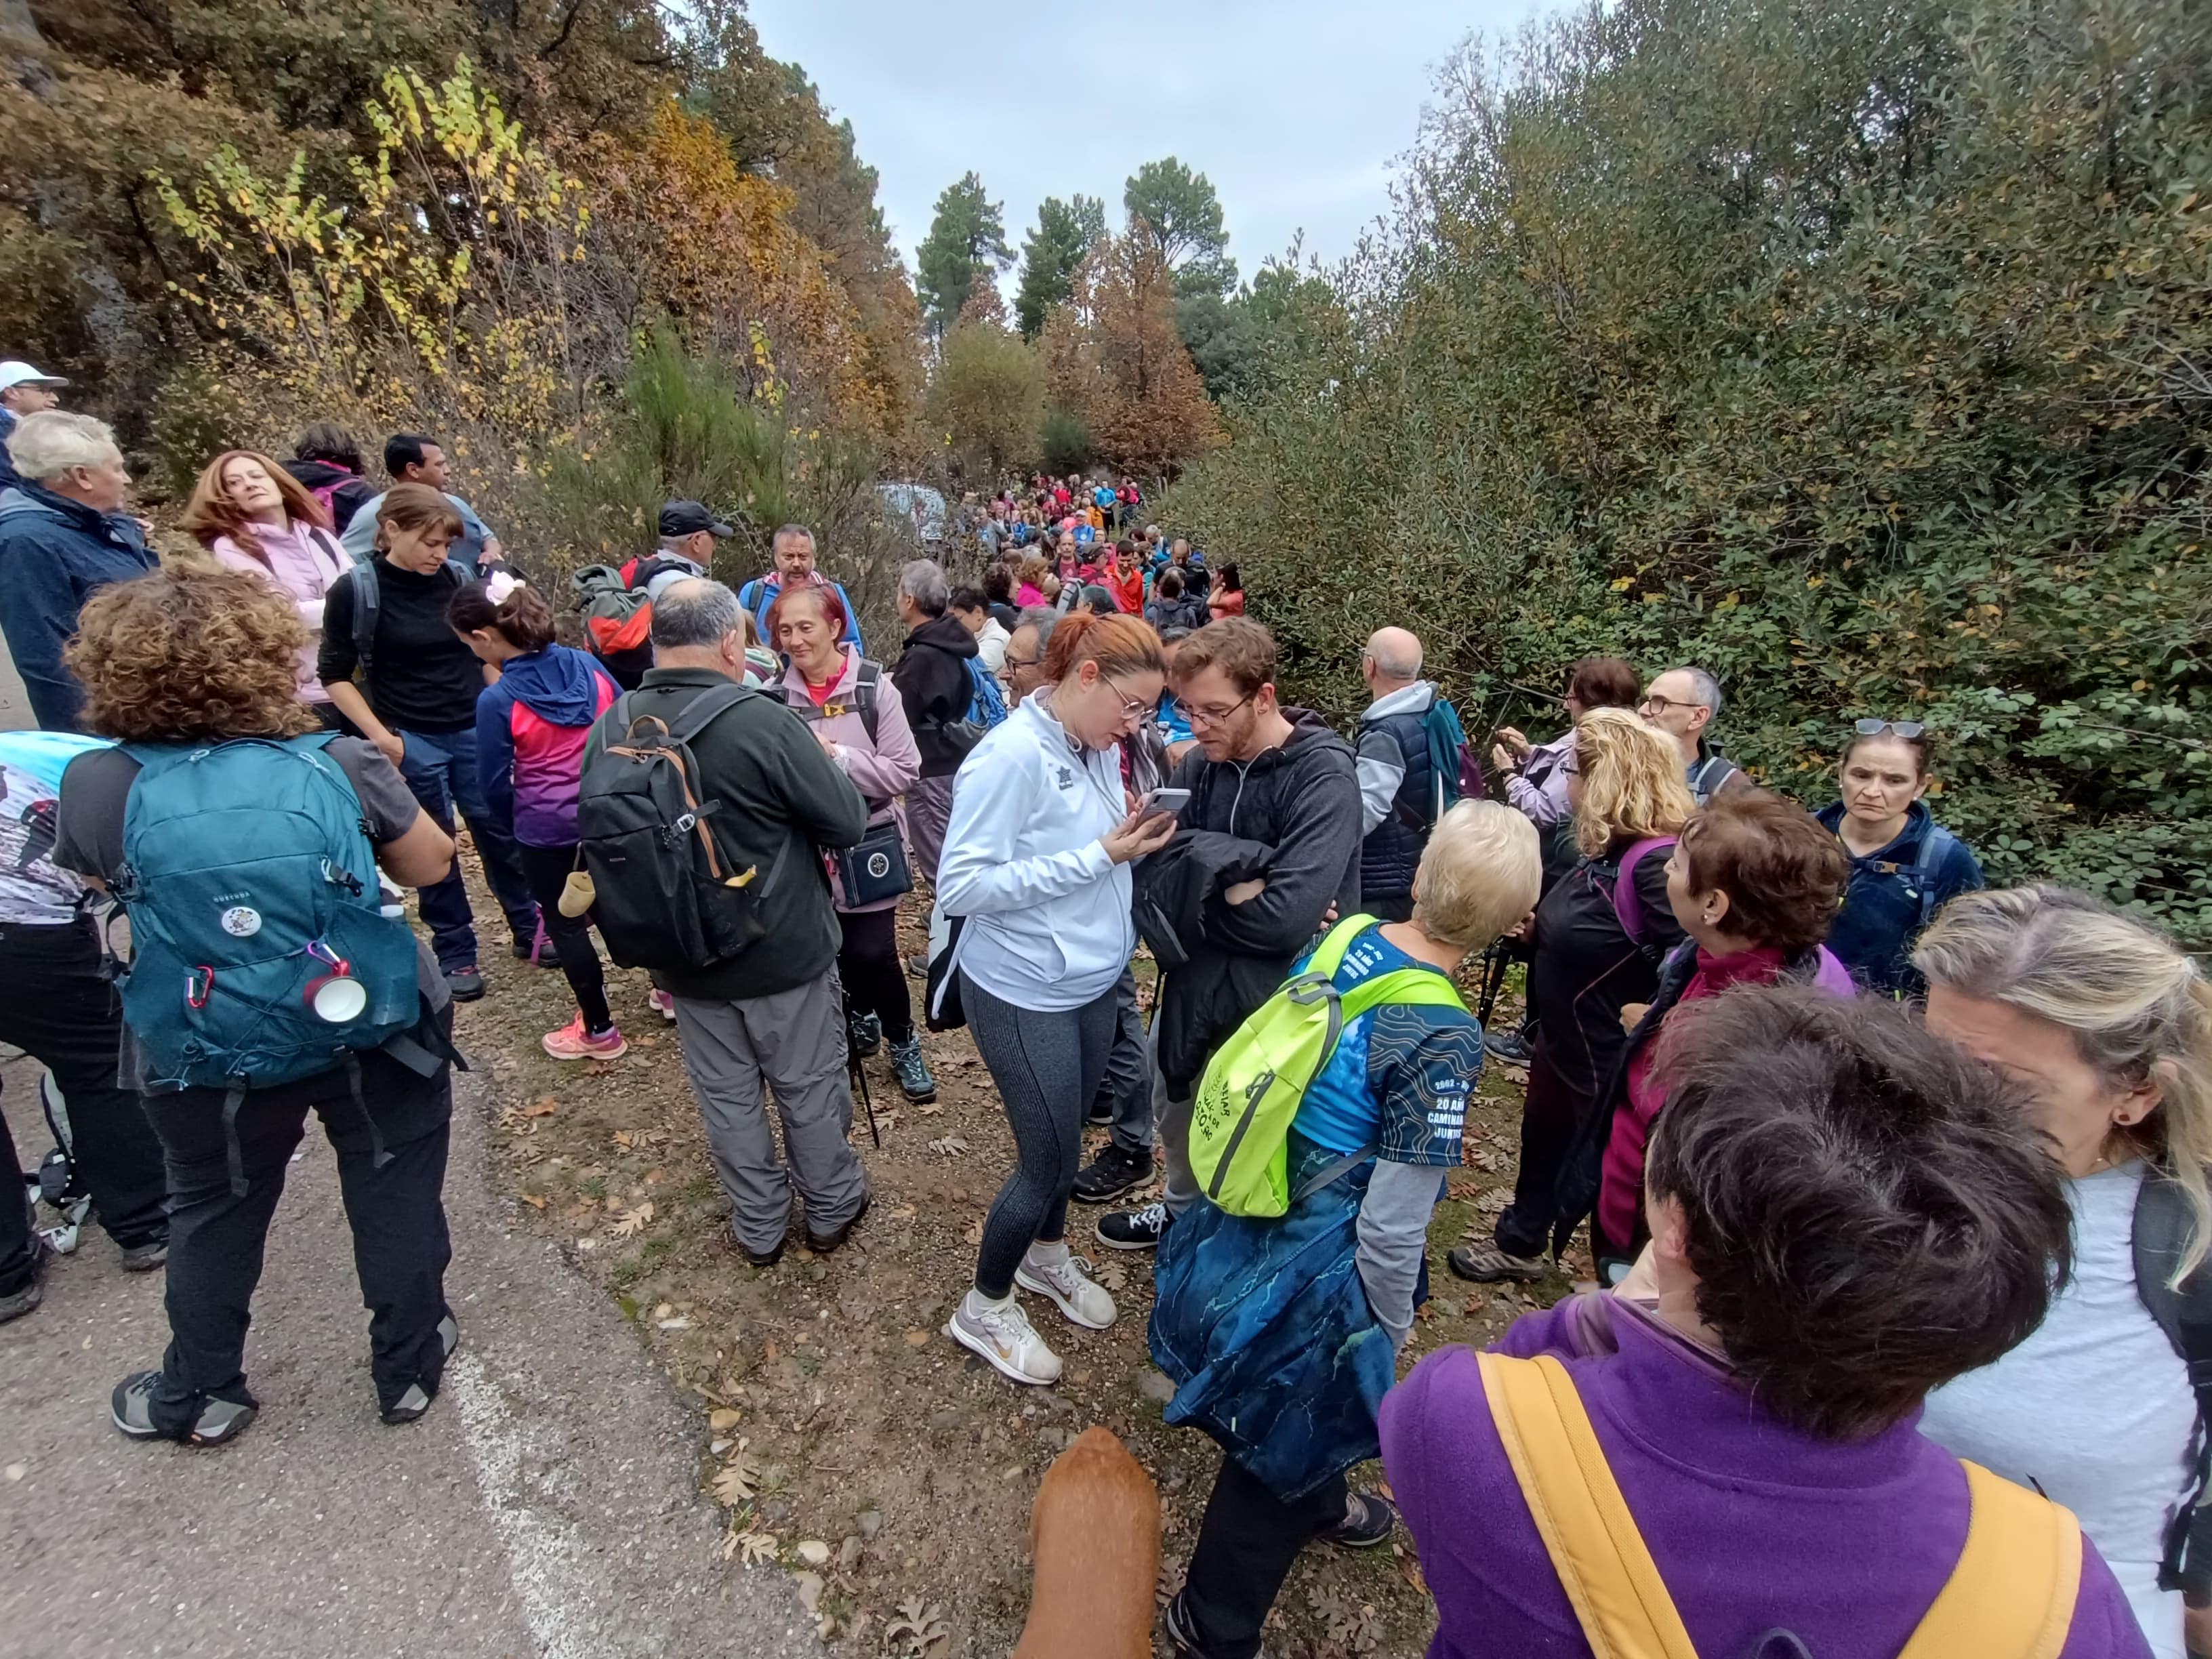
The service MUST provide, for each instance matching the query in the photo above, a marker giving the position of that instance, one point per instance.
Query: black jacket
(932, 677)
(352, 494)
(780, 801)
(1585, 970)
(1301, 800)
(1175, 885)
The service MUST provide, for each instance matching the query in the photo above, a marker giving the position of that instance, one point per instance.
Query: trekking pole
(860, 1088)
(1495, 961)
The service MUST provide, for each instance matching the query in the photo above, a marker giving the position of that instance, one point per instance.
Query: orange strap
(2010, 1596)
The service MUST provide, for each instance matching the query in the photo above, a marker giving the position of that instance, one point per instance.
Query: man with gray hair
(793, 548)
(1683, 702)
(933, 680)
(773, 1013)
(64, 536)
(1401, 797)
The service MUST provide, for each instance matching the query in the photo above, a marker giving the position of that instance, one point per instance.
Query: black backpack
(664, 895)
(2162, 1222)
(368, 604)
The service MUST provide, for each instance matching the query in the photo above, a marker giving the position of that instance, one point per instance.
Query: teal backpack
(251, 886)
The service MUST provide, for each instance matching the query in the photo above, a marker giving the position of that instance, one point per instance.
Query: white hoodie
(1048, 913)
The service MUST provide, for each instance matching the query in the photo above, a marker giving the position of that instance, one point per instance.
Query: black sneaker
(830, 1241)
(1114, 1171)
(1182, 1634)
(1367, 1521)
(465, 984)
(130, 1407)
(144, 1258)
(1509, 1046)
(417, 1401)
(864, 1035)
(1133, 1230)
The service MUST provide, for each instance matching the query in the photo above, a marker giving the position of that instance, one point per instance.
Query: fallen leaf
(929, 1111)
(917, 1627)
(749, 1548)
(632, 1222)
(904, 1212)
(975, 1231)
(917, 1338)
(535, 1200)
(949, 1145)
(734, 1483)
(722, 1418)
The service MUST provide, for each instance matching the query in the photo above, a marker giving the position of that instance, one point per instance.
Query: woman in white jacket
(1036, 856)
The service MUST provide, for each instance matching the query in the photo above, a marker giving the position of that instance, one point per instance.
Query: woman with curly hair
(194, 660)
(256, 517)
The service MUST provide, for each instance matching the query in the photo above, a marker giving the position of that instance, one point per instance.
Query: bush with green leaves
(1860, 353)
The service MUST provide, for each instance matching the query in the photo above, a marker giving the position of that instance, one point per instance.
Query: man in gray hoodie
(1281, 781)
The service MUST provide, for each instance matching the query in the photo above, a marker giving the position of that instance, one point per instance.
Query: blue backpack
(987, 706)
(251, 886)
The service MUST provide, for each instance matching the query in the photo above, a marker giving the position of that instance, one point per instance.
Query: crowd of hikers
(1895, 1188)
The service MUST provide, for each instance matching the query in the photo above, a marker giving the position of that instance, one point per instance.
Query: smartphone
(1162, 803)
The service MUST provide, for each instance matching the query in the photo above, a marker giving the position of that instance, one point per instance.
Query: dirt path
(849, 1438)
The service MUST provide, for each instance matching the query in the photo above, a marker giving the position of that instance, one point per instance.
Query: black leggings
(1246, 1547)
(1048, 1067)
(546, 870)
(868, 964)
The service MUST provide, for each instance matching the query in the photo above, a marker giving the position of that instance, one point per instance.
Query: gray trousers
(1133, 1078)
(928, 809)
(1175, 1135)
(794, 1040)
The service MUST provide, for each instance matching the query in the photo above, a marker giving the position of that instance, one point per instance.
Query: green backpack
(1240, 1124)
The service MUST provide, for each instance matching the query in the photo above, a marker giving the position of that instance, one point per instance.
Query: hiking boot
(417, 1401)
(1486, 1265)
(1510, 1047)
(1069, 1284)
(662, 1003)
(1133, 1230)
(15, 1306)
(573, 1041)
(465, 984)
(1368, 1520)
(864, 1035)
(132, 1408)
(912, 1071)
(144, 1258)
(830, 1241)
(1001, 1332)
(1182, 1634)
(1114, 1171)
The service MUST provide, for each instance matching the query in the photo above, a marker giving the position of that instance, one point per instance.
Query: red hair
(833, 608)
(211, 514)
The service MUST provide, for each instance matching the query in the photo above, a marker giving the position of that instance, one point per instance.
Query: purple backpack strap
(1627, 903)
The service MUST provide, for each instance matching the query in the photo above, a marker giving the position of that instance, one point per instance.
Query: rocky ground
(843, 1435)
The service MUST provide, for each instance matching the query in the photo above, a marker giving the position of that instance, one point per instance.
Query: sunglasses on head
(1902, 728)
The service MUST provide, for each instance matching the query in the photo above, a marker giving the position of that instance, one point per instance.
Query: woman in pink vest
(255, 517)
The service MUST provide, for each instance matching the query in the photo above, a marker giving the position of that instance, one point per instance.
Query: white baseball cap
(15, 373)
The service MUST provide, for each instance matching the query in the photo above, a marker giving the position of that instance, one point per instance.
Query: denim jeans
(440, 768)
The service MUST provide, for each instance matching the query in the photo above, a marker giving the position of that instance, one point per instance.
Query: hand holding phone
(1162, 803)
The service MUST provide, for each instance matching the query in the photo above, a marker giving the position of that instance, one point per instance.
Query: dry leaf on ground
(631, 1223)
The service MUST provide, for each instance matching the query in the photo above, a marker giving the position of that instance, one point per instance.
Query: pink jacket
(882, 769)
(301, 562)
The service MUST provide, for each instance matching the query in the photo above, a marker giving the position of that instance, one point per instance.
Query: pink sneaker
(663, 1002)
(571, 1042)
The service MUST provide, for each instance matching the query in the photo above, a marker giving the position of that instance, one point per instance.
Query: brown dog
(1094, 1529)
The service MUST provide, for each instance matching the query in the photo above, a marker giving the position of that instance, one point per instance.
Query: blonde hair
(1479, 874)
(2136, 1006)
(1634, 783)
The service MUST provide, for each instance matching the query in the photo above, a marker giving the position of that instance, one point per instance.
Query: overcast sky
(1294, 109)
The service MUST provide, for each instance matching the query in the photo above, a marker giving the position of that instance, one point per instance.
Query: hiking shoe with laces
(912, 1071)
(1002, 1335)
(1509, 1046)
(662, 1003)
(1484, 1265)
(132, 1408)
(573, 1041)
(417, 1401)
(1112, 1173)
(1133, 1230)
(465, 984)
(1069, 1284)
(144, 1258)
(864, 1035)
(1182, 1634)
(1368, 1520)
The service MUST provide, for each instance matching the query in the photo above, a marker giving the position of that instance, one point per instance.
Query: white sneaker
(662, 1003)
(1003, 1335)
(1071, 1287)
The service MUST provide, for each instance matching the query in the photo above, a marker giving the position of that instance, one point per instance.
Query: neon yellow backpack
(1240, 1124)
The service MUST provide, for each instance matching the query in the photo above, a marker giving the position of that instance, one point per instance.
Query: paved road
(546, 1506)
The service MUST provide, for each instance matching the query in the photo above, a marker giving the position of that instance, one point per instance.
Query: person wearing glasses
(1036, 860)
(1683, 702)
(1283, 786)
(1904, 865)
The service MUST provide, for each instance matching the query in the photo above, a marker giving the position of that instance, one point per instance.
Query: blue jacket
(9, 476)
(55, 554)
(531, 729)
(761, 591)
(1883, 907)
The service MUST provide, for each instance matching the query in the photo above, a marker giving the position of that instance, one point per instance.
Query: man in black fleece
(932, 677)
(772, 1012)
(1263, 774)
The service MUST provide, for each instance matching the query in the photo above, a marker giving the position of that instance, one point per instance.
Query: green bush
(1861, 353)
(1066, 442)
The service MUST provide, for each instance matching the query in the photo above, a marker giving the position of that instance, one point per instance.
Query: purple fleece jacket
(1754, 1525)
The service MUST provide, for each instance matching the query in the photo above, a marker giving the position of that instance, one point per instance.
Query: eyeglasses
(1658, 705)
(1132, 707)
(1902, 728)
(1012, 661)
(1217, 716)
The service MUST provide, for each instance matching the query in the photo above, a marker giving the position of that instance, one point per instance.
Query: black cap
(688, 518)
